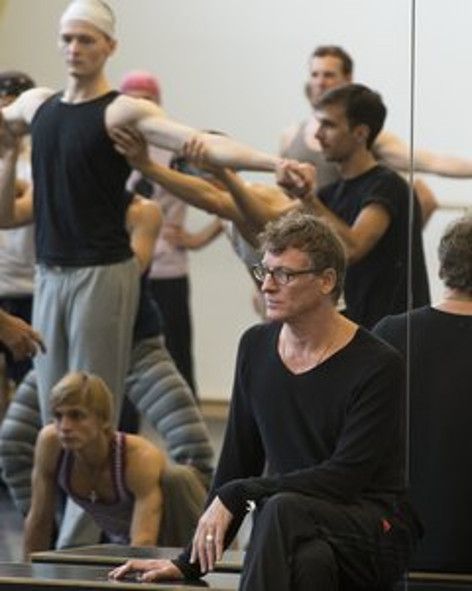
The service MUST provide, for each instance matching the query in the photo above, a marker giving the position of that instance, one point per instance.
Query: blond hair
(87, 390)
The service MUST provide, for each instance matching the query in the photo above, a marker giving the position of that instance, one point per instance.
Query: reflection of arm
(258, 203)
(193, 190)
(143, 221)
(163, 132)
(143, 475)
(394, 152)
(367, 229)
(181, 238)
(40, 519)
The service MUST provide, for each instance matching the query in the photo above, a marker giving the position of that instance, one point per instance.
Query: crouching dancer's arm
(145, 464)
(40, 519)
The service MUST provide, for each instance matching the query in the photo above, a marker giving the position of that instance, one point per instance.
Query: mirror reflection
(244, 80)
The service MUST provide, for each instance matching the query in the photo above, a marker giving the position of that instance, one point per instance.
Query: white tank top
(17, 255)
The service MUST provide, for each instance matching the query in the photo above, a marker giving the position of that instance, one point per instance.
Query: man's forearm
(396, 153)
(37, 536)
(255, 212)
(192, 190)
(442, 165)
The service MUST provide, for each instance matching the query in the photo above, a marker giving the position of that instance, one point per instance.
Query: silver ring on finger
(209, 538)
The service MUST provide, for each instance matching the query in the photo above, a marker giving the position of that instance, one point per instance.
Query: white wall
(239, 66)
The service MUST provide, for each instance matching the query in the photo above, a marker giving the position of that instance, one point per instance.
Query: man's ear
(329, 279)
(361, 133)
(112, 43)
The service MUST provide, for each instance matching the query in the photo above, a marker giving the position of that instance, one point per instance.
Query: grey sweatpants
(86, 316)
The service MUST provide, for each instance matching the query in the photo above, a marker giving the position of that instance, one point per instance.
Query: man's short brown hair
(362, 106)
(455, 255)
(338, 52)
(309, 234)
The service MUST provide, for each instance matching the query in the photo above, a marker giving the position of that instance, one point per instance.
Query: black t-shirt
(79, 181)
(377, 285)
(440, 369)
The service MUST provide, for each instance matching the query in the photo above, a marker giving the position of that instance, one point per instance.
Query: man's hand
(19, 337)
(297, 178)
(209, 537)
(131, 144)
(146, 571)
(195, 150)
(177, 236)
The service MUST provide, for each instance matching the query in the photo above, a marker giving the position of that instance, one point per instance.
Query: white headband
(94, 12)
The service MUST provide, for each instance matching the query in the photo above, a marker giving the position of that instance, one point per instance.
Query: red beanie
(140, 81)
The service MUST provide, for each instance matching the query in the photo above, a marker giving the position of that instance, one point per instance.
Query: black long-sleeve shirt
(335, 431)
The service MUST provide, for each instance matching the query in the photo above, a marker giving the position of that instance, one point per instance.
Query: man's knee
(291, 506)
(282, 512)
(315, 561)
(281, 505)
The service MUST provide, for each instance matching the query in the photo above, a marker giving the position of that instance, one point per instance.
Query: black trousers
(172, 297)
(300, 543)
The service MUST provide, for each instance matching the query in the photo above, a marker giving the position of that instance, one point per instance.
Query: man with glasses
(317, 407)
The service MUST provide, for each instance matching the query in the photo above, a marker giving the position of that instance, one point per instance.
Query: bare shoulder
(143, 212)
(137, 445)
(30, 101)
(48, 449)
(21, 112)
(126, 110)
(142, 453)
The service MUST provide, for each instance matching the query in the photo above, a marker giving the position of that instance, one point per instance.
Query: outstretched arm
(182, 238)
(258, 203)
(150, 120)
(193, 190)
(394, 152)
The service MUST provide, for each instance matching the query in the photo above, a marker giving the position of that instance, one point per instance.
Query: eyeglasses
(280, 275)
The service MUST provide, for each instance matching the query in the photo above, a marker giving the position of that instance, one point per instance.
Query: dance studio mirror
(439, 419)
(240, 67)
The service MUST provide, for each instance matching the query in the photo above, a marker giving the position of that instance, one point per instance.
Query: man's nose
(268, 283)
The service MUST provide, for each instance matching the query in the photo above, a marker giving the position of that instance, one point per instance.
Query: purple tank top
(114, 517)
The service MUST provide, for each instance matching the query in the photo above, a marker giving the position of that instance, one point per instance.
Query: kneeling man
(113, 476)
